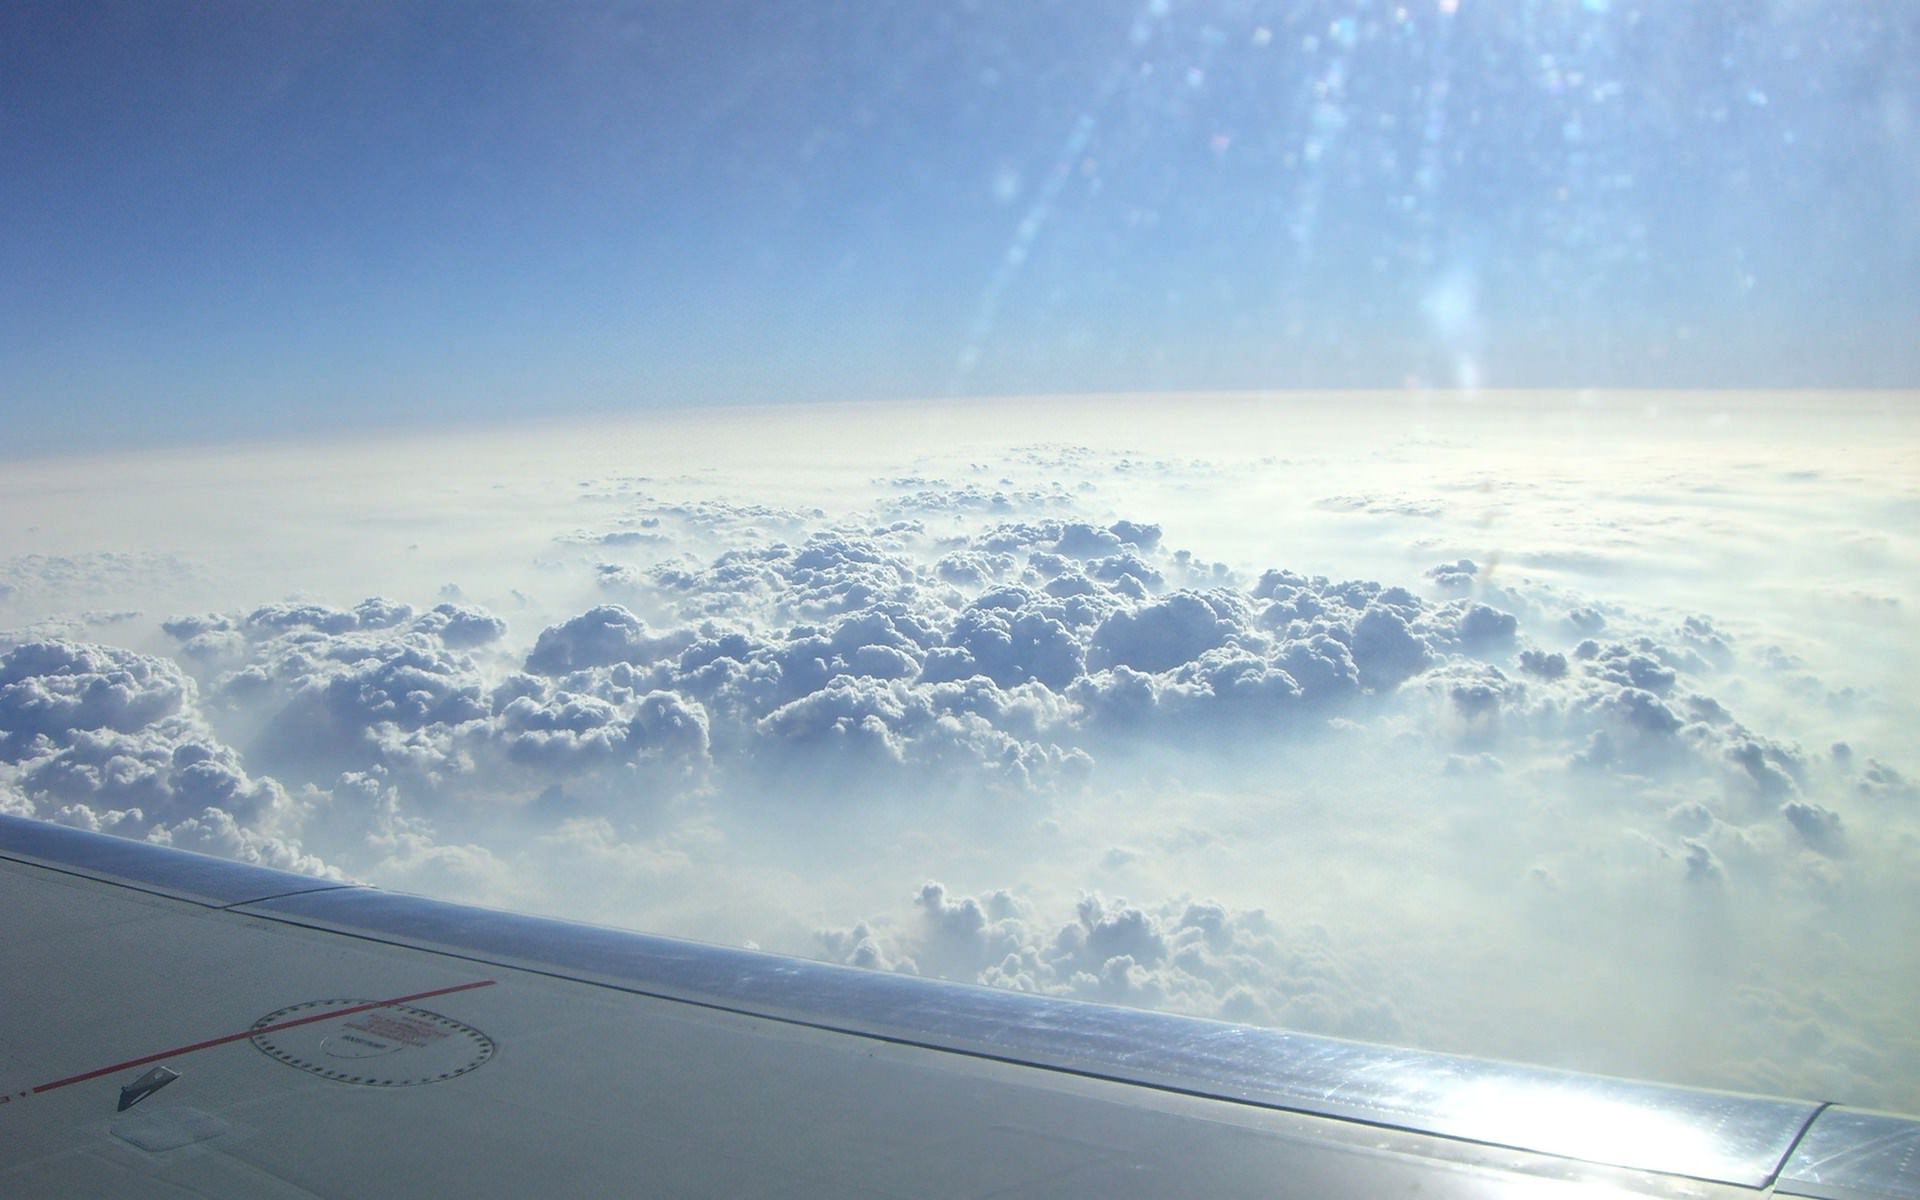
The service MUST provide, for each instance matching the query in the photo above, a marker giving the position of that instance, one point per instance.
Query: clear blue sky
(239, 219)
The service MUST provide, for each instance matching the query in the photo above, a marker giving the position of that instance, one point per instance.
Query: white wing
(175, 1024)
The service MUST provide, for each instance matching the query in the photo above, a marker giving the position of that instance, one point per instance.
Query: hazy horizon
(276, 221)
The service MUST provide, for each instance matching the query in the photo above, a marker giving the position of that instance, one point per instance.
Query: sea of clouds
(1007, 716)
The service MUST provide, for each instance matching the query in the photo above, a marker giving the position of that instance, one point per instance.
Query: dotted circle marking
(454, 1048)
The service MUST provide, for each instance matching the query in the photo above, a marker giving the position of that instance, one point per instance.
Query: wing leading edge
(232, 1030)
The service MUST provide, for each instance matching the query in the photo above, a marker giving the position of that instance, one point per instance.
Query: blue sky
(224, 220)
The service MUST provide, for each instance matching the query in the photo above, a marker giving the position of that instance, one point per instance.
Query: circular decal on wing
(372, 1044)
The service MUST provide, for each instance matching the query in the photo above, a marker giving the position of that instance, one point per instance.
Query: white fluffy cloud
(870, 652)
(1191, 956)
(1438, 798)
(872, 649)
(110, 740)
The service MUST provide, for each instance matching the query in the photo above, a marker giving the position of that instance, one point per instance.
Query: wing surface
(177, 1025)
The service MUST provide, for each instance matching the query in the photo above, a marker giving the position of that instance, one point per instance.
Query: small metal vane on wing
(133, 1093)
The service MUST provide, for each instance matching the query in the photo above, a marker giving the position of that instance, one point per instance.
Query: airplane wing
(177, 1025)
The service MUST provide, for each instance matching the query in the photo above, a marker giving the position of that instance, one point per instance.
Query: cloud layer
(1455, 804)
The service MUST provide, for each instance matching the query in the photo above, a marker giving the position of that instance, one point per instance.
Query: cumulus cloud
(52, 689)
(1017, 657)
(111, 740)
(1820, 827)
(792, 706)
(1192, 956)
(598, 637)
